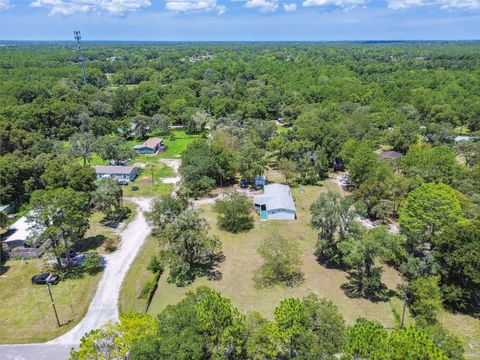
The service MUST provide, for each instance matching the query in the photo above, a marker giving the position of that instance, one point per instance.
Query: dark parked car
(243, 184)
(123, 182)
(134, 187)
(45, 278)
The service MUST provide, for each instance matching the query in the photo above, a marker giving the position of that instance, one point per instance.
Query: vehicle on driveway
(243, 183)
(123, 182)
(45, 278)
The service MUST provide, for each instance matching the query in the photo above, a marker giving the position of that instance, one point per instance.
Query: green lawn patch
(136, 277)
(26, 313)
(174, 148)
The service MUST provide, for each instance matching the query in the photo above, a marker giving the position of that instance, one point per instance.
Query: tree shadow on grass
(327, 263)
(91, 243)
(380, 294)
(207, 268)
(4, 269)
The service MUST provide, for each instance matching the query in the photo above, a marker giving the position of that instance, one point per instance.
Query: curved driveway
(104, 306)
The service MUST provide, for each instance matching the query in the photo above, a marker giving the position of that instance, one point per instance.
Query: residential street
(104, 306)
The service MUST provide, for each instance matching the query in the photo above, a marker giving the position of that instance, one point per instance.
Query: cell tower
(78, 36)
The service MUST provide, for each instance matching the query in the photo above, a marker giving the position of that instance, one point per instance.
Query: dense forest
(304, 109)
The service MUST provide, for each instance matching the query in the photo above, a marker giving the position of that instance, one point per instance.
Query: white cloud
(5, 4)
(443, 4)
(290, 7)
(195, 5)
(345, 4)
(262, 5)
(111, 7)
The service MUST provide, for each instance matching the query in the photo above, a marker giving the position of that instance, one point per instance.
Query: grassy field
(136, 277)
(144, 182)
(26, 312)
(242, 260)
(174, 148)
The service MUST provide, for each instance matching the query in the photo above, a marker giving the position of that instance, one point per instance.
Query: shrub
(149, 287)
(110, 244)
(92, 264)
(155, 265)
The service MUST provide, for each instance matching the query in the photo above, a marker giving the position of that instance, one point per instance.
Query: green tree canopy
(427, 210)
(234, 212)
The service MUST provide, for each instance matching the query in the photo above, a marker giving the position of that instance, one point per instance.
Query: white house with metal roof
(128, 173)
(276, 203)
(18, 233)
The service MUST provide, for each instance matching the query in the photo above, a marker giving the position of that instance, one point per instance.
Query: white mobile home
(276, 203)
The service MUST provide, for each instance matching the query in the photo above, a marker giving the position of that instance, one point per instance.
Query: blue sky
(244, 20)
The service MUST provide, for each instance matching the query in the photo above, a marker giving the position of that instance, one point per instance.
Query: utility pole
(153, 179)
(77, 36)
(53, 303)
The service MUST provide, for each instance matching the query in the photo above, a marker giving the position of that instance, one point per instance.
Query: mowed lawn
(242, 260)
(174, 147)
(147, 187)
(136, 277)
(26, 313)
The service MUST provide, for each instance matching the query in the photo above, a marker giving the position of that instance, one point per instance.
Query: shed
(276, 203)
(128, 173)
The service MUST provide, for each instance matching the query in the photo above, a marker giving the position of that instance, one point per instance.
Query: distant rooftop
(153, 142)
(461, 138)
(390, 155)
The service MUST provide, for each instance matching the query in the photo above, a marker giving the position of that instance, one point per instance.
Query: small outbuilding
(128, 173)
(276, 203)
(151, 146)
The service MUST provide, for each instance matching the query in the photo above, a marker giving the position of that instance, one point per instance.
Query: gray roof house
(276, 203)
(128, 173)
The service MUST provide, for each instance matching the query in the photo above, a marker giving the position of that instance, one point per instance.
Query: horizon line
(243, 41)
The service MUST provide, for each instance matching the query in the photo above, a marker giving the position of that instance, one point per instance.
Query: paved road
(104, 306)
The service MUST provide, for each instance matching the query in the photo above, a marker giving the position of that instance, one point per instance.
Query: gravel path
(104, 306)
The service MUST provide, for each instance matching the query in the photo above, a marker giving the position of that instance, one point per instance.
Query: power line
(77, 36)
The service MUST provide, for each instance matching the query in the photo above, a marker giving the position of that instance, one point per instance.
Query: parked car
(45, 278)
(123, 182)
(135, 187)
(243, 183)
